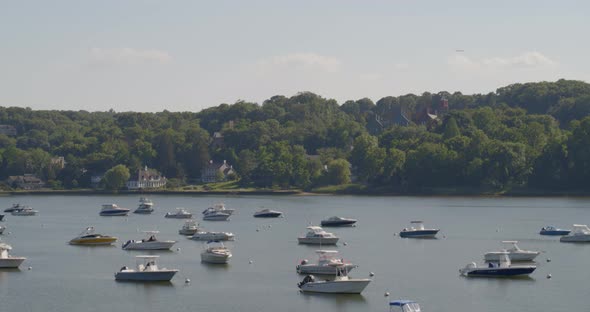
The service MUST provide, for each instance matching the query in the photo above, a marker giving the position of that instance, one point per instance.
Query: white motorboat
(327, 263)
(338, 221)
(189, 227)
(212, 236)
(579, 234)
(90, 238)
(317, 236)
(146, 270)
(417, 230)
(404, 306)
(113, 210)
(146, 206)
(8, 261)
(514, 253)
(216, 216)
(502, 268)
(341, 284)
(150, 243)
(24, 211)
(267, 213)
(216, 253)
(220, 207)
(180, 213)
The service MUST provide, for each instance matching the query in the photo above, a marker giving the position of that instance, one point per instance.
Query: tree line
(533, 134)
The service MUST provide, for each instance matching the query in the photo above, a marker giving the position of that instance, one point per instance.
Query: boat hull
(328, 223)
(215, 259)
(318, 241)
(500, 272)
(520, 256)
(322, 269)
(212, 237)
(154, 276)
(575, 239)
(555, 232)
(24, 213)
(218, 217)
(158, 245)
(11, 262)
(419, 234)
(178, 216)
(351, 286)
(114, 213)
(143, 211)
(94, 241)
(187, 231)
(268, 215)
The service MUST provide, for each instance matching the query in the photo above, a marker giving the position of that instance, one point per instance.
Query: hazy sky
(187, 55)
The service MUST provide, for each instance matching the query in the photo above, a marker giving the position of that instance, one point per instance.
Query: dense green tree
(116, 177)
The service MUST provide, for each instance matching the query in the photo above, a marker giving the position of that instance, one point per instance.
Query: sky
(155, 55)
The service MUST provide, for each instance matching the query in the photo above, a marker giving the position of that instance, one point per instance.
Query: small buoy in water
(188, 280)
(250, 261)
(257, 230)
(9, 233)
(548, 276)
(269, 226)
(498, 230)
(548, 259)
(345, 244)
(386, 294)
(29, 268)
(394, 234)
(371, 274)
(444, 236)
(178, 249)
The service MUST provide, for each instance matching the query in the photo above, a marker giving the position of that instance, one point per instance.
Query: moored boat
(146, 206)
(267, 213)
(13, 208)
(553, 231)
(189, 227)
(146, 270)
(149, 243)
(417, 230)
(220, 207)
(113, 210)
(514, 253)
(216, 216)
(216, 253)
(341, 284)
(317, 236)
(89, 237)
(180, 213)
(579, 234)
(24, 211)
(327, 263)
(502, 268)
(338, 221)
(8, 261)
(404, 306)
(212, 236)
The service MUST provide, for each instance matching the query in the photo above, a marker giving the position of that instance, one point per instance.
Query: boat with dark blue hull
(338, 221)
(502, 268)
(267, 213)
(418, 231)
(553, 231)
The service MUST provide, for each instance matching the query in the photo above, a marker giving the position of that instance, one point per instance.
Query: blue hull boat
(502, 272)
(550, 230)
(419, 234)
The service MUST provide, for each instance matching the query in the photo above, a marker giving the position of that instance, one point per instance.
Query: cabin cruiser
(327, 263)
(212, 236)
(6, 260)
(267, 213)
(150, 243)
(13, 208)
(580, 234)
(216, 216)
(89, 237)
(189, 227)
(341, 284)
(180, 213)
(551, 230)
(216, 253)
(146, 271)
(113, 210)
(317, 236)
(220, 207)
(404, 306)
(501, 268)
(146, 206)
(417, 230)
(338, 221)
(24, 211)
(514, 253)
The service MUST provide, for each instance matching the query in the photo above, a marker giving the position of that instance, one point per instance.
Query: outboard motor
(124, 268)
(303, 262)
(306, 279)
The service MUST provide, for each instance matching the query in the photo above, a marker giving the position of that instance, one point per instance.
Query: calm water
(73, 278)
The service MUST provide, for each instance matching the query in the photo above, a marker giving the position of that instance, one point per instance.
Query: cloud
(311, 61)
(532, 59)
(128, 56)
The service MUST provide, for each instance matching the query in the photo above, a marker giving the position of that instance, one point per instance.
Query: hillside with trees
(532, 135)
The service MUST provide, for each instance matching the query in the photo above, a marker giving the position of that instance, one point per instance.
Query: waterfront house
(146, 179)
(215, 172)
(25, 182)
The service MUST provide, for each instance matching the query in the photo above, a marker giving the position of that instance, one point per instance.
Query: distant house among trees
(146, 178)
(58, 162)
(25, 182)
(215, 172)
(218, 141)
(8, 130)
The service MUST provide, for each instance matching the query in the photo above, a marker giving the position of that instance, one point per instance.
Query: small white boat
(404, 306)
(150, 243)
(341, 284)
(8, 261)
(216, 216)
(327, 263)
(579, 234)
(417, 230)
(146, 206)
(212, 236)
(514, 253)
(267, 213)
(338, 221)
(24, 211)
(317, 236)
(89, 237)
(502, 268)
(146, 271)
(113, 210)
(216, 253)
(180, 213)
(189, 227)
(220, 207)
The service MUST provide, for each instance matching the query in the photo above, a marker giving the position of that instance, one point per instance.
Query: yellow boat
(88, 237)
